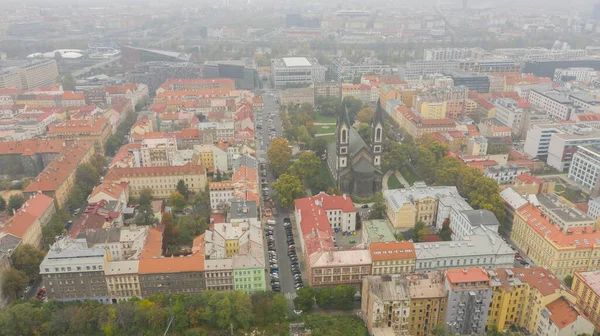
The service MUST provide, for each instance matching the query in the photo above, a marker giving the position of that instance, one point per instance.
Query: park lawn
(319, 118)
(393, 182)
(330, 138)
(324, 129)
(409, 175)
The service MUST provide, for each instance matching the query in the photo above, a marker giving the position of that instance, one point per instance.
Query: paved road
(285, 273)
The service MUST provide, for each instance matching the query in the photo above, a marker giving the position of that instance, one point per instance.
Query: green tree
(2, 204)
(27, 258)
(379, 208)
(145, 215)
(113, 143)
(319, 146)
(441, 329)
(288, 188)
(182, 188)
(54, 228)
(328, 105)
(87, 177)
(177, 201)
(365, 115)
(364, 130)
(343, 297)
(172, 231)
(304, 299)
(324, 297)
(399, 236)
(307, 165)
(279, 155)
(15, 202)
(146, 196)
(353, 105)
(418, 232)
(14, 282)
(568, 280)
(68, 82)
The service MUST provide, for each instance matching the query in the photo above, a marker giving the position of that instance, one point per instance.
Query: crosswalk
(290, 296)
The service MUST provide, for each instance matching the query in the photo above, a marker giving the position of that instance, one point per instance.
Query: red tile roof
(152, 262)
(25, 216)
(79, 126)
(31, 147)
(112, 190)
(563, 313)
(245, 174)
(526, 178)
(94, 217)
(117, 173)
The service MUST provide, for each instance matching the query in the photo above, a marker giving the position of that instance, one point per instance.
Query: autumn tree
(27, 258)
(279, 155)
(172, 231)
(288, 188)
(365, 115)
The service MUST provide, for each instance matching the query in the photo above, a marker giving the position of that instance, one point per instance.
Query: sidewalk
(384, 180)
(402, 179)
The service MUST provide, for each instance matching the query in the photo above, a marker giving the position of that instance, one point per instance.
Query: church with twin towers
(354, 165)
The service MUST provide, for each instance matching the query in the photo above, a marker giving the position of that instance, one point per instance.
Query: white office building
(510, 114)
(345, 70)
(585, 167)
(594, 208)
(447, 54)
(468, 223)
(556, 104)
(296, 70)
(563, 75)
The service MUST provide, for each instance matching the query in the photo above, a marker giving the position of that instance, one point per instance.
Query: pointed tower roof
(379, 116)
(343, 116)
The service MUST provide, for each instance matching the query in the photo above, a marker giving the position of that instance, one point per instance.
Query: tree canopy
(28, 258)
(15, 201)
(288, 188)
(279, 155)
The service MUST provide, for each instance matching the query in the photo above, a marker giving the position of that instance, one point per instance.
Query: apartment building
(553, 102)
(561, 251)
(486, 250)
(345, 70)
(162, 180)
(530, 54)
(448, 205)
(328, 89)
(58, 177)
(326, 265)
(405, 207)
(122, 281)
(190, 84)
(170, 275)
(28, 157)
(469, 296)
(521, 294)
(95, 130)
(297, 96)
(509, 113)
(564, 75)
(586, 288)
(9, 78)
(158, 152)
(8, 244)
(393, 257)
(504, 174)
(243, 71)
(561, 317)
(28, 221)
(558, 143)
(296, 70)
(220, 193)
(416, 125)
(529, 184)
(468, 223)
(385, 304)
(585, 167)
(219, 274)
(473, 81)
(427, 302)
(111, 192)
(414, 70)
(38, 73)
(72, 271)
(563, 213)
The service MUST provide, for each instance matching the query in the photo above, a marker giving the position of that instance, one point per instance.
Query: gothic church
(355, 166)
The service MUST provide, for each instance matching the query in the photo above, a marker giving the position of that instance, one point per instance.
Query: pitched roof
(456, 276)
(392, 250)
(79, 126)
(152, 262)
(245, 173)
(537, 277)
(37, 204)
(117, 173)
(110, 189)
(529, 179)
(562, 312)
(31, 147)
(18, 224)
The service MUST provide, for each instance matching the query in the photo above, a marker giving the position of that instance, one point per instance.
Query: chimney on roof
(344, 195)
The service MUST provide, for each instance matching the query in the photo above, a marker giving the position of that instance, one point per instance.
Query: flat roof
(378, 231)
(296, 61)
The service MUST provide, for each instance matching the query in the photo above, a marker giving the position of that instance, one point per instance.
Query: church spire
(377, 127)
(342, 138)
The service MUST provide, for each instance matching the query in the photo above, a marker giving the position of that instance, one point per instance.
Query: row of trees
(115, 141)
(25, 267)
(206, 313)
(428, 157)
(87, 177)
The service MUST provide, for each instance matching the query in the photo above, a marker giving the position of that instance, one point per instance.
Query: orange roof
(124, 153)
(501, 129)
(577, 237)
(117, 173)
(392, 250)
(151, 261)
(59, 169)
(31, 147)
(456, 276)
(121, 89)
(37, 204)
(214, 93)
(9, 91)
(169, 83)
(526, 178)
(30, 211)
(113, 190)
(79, 126)
(224, 185)
(537, 277)
(588, 117)
(70, 95)
(562, 312)
(245, 174)
(484, 103)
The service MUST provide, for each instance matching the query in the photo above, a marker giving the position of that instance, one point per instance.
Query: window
(343, 138)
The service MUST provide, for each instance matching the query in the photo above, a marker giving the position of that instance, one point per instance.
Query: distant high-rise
(596, 11)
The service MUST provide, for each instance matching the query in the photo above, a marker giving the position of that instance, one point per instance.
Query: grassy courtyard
(324, 129)
(393, 182)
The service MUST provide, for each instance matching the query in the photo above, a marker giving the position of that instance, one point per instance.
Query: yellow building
(161, 180)
(393, 257)
(432, 110)
(520, 294)
(586, 287)
(563, 252)
(407, 206)
(28, 221)
(122, 281)
(96, 130)
(58, 177)
(427, 302)
(204, 156)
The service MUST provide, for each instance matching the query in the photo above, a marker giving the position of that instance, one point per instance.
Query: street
(281, 246)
